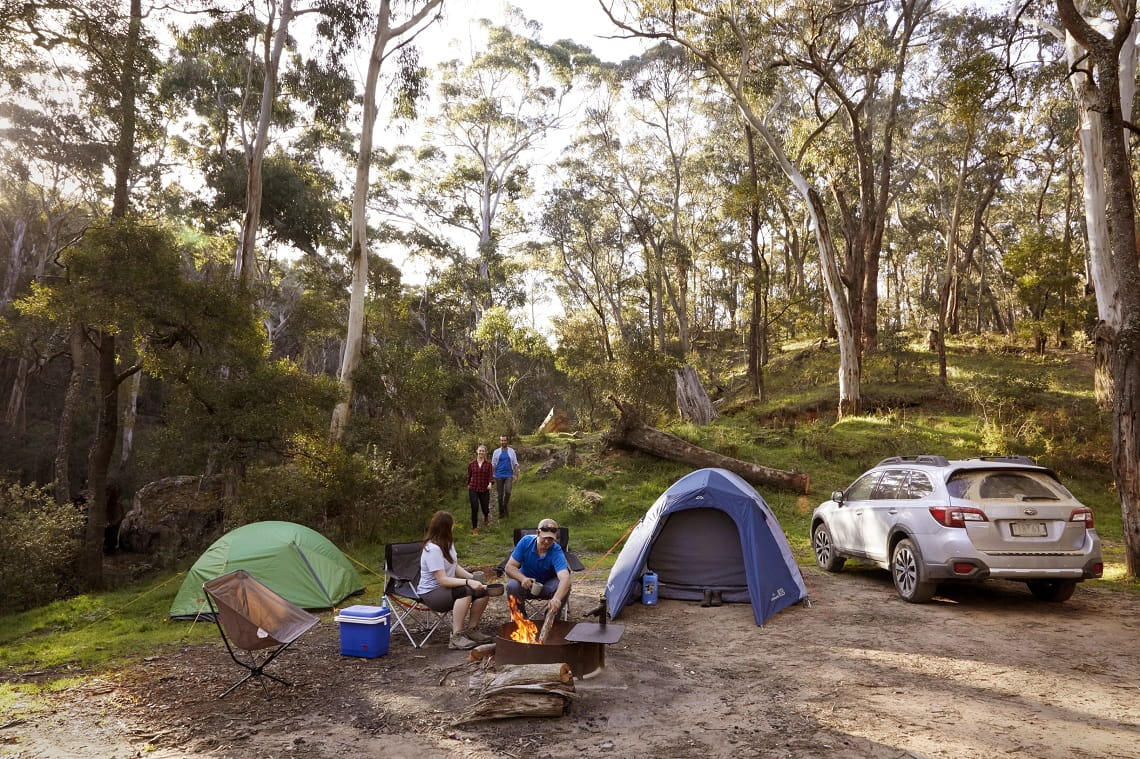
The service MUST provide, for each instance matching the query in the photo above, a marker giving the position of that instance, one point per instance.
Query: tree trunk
(245, 262)
(524, 690)
(65, 430)
(693, 402)
(354, 342)
(16, 259)
(1104, 94)
(630, 433)
(107, 385)
(130, 415)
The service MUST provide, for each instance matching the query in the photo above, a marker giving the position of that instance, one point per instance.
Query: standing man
(506, 466)
(479, 488)
(537, 568)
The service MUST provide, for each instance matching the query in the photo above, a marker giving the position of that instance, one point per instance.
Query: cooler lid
(363, 612)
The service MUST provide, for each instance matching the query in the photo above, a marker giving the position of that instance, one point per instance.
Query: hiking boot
(460, 642)
(716, 600)
(474, 530)
(707, 600)
(478, 637)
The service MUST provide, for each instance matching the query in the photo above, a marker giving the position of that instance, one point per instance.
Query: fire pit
(584, 658)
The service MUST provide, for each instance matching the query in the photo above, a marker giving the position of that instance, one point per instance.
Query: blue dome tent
(709, 531)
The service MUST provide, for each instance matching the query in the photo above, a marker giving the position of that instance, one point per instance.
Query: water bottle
(384, 603)
(649, 588)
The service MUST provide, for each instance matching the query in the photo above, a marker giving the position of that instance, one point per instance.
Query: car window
(890, 485)
(918, 486)
(860, 490)
(1004, 485)
(1014, 485)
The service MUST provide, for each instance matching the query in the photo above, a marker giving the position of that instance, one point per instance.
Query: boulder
(174, 518)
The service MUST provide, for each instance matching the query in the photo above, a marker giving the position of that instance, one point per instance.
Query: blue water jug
(649, 588)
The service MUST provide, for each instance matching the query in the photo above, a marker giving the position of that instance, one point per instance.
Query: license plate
(1028, 529)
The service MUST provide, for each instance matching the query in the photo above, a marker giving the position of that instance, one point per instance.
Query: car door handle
(892, 511)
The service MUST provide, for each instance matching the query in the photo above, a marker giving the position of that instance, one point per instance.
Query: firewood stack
(524, 690)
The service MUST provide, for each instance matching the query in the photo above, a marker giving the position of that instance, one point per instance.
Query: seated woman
(445, 585)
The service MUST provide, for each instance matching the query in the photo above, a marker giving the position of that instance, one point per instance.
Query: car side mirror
(837, 496)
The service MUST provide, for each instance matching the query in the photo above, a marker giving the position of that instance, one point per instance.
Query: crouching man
(538, 569)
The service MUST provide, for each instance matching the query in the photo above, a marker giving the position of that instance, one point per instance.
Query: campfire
(525, 631)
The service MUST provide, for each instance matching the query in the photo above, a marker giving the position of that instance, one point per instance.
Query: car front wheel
(1055, 591)
(824, 548)
(908, 573)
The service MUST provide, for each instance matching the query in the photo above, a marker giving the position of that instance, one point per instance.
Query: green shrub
(345, 496)
(39, 542)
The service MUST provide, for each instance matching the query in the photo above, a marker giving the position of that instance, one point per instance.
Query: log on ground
(524, 690)
(632, 433)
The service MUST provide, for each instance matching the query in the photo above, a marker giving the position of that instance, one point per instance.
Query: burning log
(546, 624)
(525, 690)
(629, 432)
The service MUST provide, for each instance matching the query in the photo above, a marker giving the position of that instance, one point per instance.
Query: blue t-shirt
(504, 463)
(541, 568)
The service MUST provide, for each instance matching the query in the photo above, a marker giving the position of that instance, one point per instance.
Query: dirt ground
(981, 672)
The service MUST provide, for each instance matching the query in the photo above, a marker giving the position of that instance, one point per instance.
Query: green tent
(298, 563)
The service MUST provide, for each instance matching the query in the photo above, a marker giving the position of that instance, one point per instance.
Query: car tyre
(825, 554)
(909, 575)
(1053, 591)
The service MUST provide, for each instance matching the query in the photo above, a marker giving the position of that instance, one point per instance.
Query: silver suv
(930, 520)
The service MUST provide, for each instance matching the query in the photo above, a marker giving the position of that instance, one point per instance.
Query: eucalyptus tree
(395, 26)
(111, 54)
(966, 141)
(257, 118)
(461, 189)
(851, 59)
(1050, 17)
(1101, 81)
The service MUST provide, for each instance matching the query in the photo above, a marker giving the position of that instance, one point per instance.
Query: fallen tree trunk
(632, 433)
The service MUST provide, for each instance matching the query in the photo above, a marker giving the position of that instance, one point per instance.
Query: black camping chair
(409, 612)
(563, 540)
(572, 562)
(251, 617)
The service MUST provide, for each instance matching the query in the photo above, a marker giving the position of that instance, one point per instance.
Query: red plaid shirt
(479, 475)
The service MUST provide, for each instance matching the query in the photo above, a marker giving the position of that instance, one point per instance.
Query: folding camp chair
(251, 617)
(409, 612)
(572, 562)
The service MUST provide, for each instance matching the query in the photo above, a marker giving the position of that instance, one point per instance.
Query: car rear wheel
(1054, 591)
(825, 554)
(908, 573)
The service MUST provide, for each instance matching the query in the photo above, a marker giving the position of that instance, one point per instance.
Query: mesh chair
(251, 617)
(409, 612)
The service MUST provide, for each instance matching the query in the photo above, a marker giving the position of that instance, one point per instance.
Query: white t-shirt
(432, 559)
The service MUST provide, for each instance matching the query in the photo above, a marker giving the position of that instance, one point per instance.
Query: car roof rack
(934, 460)
(1008, 459)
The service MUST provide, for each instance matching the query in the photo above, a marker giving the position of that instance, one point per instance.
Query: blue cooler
(364, 631)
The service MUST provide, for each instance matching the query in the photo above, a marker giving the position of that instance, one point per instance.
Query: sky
(580, 20)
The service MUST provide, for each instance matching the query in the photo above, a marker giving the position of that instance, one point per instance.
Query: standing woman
(445, 585)
(479, 474)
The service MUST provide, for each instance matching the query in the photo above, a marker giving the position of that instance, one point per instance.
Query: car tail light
(1082, 515)
(964, 567)
(957, 516)
(1098, 569)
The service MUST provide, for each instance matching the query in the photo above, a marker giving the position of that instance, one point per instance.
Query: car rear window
(1004, 485)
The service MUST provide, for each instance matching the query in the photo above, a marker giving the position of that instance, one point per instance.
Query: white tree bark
(385, 33)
